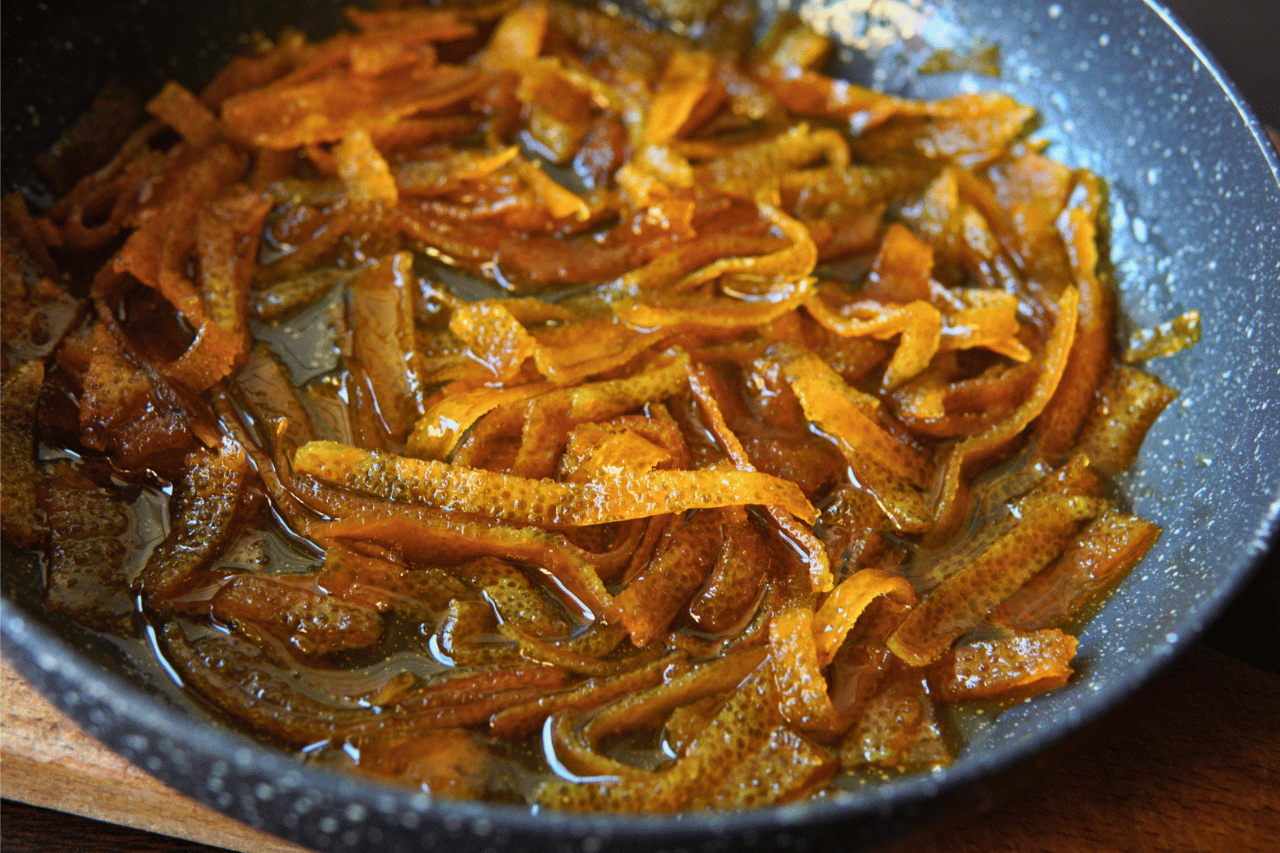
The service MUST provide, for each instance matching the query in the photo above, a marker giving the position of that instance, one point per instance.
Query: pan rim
(37, 646)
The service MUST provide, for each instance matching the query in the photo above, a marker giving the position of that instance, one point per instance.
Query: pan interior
(1194, 223)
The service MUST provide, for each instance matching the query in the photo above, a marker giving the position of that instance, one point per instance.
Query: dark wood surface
(31, 829)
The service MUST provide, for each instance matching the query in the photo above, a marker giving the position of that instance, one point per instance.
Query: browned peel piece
(268, 389)
(277, 117)
(850, 527)
(248, 684)
(227, 243)
(891, 471)
(521, 720)
(683, 559)
(126, 410)
(383, 341)
(19, 476)
(738, 578)
(202, 520)
(1058, 427)
(86, 574)
(425, 534)
(451, 763)
(802, 688)
(279, 299)
(799, 535)
(786, 766)
(516, 600)
(35, 311)
(646, 708)
(156, 253)
(309, 619)
(549, 418)
(997, 437)
(177, 107)
(840, 610)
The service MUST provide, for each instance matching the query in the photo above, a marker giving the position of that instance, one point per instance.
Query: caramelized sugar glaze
(523, 403)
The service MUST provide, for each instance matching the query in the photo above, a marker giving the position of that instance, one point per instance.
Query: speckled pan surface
(1195, 211)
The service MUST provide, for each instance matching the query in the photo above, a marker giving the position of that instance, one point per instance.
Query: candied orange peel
(533, 388)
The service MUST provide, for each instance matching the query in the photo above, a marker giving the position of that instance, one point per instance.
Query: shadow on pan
(1195, 213)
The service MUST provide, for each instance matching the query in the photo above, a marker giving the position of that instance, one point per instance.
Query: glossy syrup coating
(730, 461)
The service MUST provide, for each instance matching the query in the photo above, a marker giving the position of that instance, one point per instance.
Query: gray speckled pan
(1195, 210)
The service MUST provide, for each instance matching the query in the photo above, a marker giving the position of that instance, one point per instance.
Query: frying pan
(1195, 223)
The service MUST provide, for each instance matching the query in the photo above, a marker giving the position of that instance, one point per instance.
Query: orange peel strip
(284, 117)
(783, 267)
(226, 241)
(987, 319)
(548, 419)
(574, 759)
(520, 720)
(364, 172)
(683, 83)
(1022, 666)
(517, 39)
(439, 430)
(998, 436)
(647, 708)
(918, 323)
(902, 268)
(558, 201)
(19, 477)
(796, 533)
(596, 346)
(381, 318)
(495, 337)
(680, 565)
(1046, 526)
(438, 176)
(847, 414)
(496, 333)
(742, 725)
(743, 169)
(737, 581)
(1128, 403)
(424, 533)
(560, 653)
(691, 313)
(178, 108)
(891, 471)
(598, 451)
(845, 604)
(802, 688)
(517, 602)
(785, 766)
(1091, 352)
(1105, 551)
(541, 502)
(203, 518)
